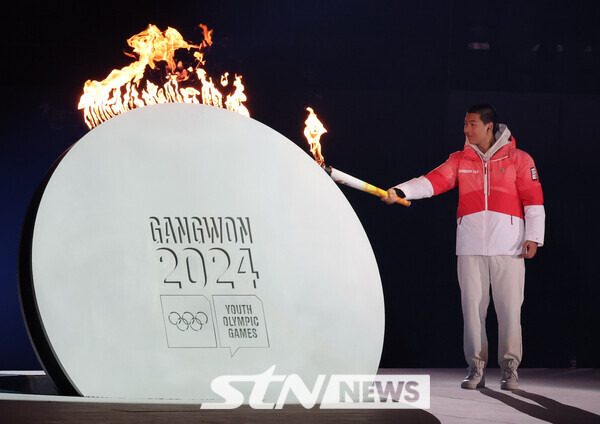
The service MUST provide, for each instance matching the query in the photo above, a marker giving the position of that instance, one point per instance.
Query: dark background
(391, 81)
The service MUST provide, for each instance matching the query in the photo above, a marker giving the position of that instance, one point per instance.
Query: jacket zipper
(486, 185)
(485, 195)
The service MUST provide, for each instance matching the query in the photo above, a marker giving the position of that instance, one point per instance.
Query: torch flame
(123, 89)
(313, 131)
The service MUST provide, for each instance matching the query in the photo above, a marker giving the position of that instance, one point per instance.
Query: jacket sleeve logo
(534, 175)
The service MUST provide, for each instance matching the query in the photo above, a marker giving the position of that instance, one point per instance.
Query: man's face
(476, 131)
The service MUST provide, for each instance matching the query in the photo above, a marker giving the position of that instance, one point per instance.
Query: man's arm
(440, 180)
(531, 195)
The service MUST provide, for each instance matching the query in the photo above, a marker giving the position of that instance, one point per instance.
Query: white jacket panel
(490, 233)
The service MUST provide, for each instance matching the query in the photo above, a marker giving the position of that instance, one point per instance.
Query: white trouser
(506, 276)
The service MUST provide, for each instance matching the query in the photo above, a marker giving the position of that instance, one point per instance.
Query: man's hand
(391, 198)
(529, 249)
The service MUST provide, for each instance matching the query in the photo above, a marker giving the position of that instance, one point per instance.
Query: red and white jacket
(500, 202)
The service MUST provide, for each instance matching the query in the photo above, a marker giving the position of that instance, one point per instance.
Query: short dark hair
(486, 113)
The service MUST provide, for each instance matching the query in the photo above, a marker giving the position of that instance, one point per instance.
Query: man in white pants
(500, 221)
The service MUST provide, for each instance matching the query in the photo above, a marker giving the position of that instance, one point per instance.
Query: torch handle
(384, 194)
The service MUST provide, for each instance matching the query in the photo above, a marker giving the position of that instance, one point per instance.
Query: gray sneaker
(510, 379)
(475, 379)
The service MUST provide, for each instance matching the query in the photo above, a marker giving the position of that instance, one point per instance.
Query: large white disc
(177, 243)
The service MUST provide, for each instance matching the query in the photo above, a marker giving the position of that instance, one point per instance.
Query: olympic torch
(350, 181)
(313, 131)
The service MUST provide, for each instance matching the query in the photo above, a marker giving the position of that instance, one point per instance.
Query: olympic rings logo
(187, 320)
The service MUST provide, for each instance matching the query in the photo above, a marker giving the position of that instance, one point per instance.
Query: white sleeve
(535, 219)
(417, 188)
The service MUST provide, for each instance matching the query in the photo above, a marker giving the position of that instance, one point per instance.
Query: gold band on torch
(346, 179)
